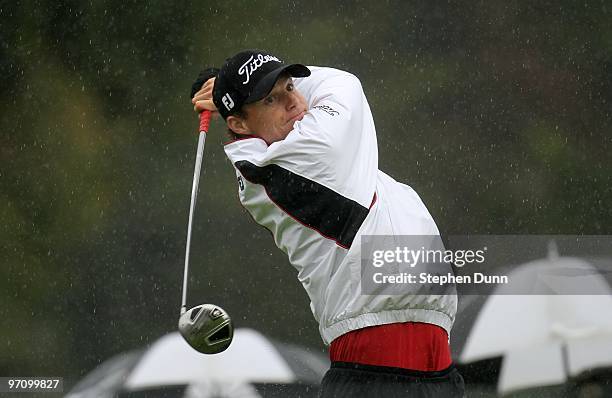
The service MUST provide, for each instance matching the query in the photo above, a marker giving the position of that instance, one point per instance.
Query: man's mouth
(297, 117)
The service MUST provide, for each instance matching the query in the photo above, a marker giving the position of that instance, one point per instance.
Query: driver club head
(207, 328)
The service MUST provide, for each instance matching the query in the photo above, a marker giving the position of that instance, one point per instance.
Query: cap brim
(266, 84)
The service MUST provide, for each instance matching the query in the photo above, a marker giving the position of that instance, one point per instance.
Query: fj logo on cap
(228, 102)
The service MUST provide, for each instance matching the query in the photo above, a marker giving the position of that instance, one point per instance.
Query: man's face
(272, 117)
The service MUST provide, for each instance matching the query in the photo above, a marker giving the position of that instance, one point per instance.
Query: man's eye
(290, 87)
(269, 100)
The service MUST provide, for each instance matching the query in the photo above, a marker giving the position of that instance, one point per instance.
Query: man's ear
(238, 125)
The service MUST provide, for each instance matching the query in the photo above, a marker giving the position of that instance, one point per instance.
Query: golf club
(206, 327)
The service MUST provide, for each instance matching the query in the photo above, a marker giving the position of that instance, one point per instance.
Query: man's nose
(291, 101)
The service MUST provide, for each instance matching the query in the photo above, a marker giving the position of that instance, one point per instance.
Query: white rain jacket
(319, 190)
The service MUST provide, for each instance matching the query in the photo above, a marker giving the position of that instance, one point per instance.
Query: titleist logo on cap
(253, 63)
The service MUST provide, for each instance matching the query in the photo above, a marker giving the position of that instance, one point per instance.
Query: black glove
(202, 78)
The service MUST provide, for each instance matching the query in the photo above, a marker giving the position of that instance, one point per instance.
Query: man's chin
(283, 135)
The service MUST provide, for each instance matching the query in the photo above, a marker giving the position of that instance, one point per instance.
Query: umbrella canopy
(545, 338)
(253, 366)
(105, 380)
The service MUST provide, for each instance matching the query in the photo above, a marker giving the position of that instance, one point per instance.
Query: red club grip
(204, 121)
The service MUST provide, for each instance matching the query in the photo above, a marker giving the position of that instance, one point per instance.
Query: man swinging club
(306, 159)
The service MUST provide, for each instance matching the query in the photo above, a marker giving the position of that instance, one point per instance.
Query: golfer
(306, 158)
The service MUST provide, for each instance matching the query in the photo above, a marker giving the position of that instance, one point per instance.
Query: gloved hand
(201, 90)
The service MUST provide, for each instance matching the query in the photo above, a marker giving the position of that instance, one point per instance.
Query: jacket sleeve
(337, 108)
(335, 142)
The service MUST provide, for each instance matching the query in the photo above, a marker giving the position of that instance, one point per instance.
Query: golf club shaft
(204, 123)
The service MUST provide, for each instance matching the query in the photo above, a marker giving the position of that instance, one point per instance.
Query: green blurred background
(496, 112)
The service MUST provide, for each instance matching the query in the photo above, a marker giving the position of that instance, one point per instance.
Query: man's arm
(335, 142)
(337, 105)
